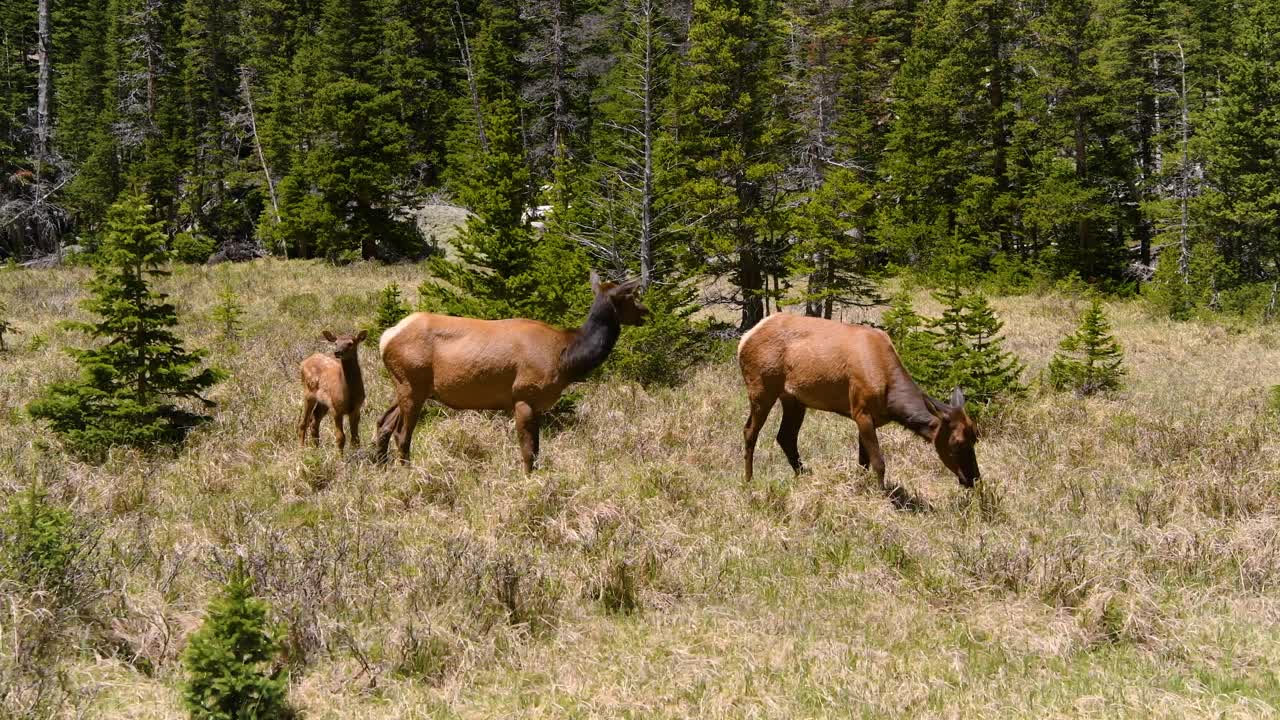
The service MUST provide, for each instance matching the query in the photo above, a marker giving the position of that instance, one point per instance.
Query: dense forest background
(796, 149)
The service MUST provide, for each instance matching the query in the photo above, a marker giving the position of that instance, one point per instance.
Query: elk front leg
(338, 433)
(353, 420)
(527, 432)
(870, 444)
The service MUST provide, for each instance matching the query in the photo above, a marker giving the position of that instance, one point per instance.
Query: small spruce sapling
(962, 348)
(38, 542)
(229, 661)
(227, 314)
(1089, 360)
(127, 386)
(391, 309)
(985, 369)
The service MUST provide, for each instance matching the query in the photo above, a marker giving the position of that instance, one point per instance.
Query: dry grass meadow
(1121, 559)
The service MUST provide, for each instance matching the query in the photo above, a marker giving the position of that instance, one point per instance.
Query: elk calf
(851, 370)
(333, 383)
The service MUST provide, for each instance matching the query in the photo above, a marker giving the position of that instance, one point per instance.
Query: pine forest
(796, 149)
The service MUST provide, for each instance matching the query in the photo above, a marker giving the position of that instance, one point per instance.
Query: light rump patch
(747, 335)
(390, 333)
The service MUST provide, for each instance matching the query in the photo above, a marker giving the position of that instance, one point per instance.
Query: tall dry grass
(1121, 558)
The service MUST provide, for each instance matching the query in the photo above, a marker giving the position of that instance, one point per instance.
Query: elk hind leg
(761, 404)
(793, 412)
(387, 425)
(316, 416)
(308, 407)
(410, 408)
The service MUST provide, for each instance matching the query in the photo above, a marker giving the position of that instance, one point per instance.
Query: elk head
(622, 297)
(955, 438)
(345, 346)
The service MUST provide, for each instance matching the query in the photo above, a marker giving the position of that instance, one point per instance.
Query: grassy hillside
(1122, 557)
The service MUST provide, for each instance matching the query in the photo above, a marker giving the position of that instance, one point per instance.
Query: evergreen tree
(1243, 148)
(945, 161)
(346, 144)
(990, 372)
(914, 343)
(229, 659)
(731, 135)
(835, 88)
(968, 343)
(127, 386)
(495, 273)
(1089, 360)
(833, 249)
(621, 209)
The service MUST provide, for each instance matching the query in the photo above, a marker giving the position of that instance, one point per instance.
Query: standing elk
(851, 370)
(333, 383)
(516, 365)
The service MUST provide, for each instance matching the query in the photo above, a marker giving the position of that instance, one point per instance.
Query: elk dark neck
(351, 373)
(909, 408)
(591, 343)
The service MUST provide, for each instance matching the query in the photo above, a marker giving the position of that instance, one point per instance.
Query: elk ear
(329, 336)
(595, 282)
(627, 288)
(957, 398)
(936, 408)
(363, 334)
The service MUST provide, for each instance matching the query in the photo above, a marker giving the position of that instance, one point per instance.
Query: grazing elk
(333, 383)
(852, 370)
(516, 365)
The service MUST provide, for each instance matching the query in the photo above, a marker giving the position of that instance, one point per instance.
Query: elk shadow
(904, 499)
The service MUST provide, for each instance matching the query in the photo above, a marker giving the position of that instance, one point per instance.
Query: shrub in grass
(5, 326)
(229, 659)
(1089, 360)
(391, 309)
(192, 247)
(49, 582)
(40, 542)
(663, 351)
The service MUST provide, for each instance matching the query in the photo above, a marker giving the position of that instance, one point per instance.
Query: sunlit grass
(1121, 558)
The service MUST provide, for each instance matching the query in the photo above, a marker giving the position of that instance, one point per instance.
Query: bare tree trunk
(257, 144)
(647, 130)
(464, 50)
(1184, 238)
(41, 149)
(559, 91)
(999, 132)
(752, 280)
(42, 92)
